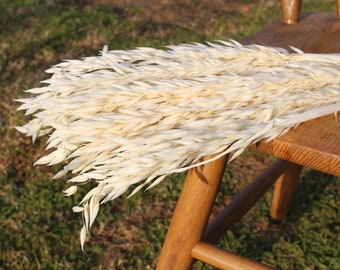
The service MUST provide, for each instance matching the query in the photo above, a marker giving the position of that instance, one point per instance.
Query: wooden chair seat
(316, 32)
(316, 148)
(312, 147)
(314, 144)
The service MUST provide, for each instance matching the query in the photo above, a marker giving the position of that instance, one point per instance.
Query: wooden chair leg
(191, 215)
(284, 191)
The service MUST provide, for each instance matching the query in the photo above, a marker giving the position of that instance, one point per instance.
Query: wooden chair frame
(189, 236)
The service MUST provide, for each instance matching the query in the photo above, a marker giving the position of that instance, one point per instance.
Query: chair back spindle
(291, 10)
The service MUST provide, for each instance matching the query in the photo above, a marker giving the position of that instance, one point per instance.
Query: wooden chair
(315, 144)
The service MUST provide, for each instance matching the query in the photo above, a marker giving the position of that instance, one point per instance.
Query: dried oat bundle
(136, 116)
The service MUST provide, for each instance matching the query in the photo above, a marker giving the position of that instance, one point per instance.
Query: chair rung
(223, 259)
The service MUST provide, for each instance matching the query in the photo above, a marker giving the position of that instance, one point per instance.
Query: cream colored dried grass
(133, 117)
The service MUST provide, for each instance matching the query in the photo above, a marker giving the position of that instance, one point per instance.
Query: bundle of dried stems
(136, 116)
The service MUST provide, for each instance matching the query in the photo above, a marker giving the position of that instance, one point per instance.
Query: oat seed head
(135, 116)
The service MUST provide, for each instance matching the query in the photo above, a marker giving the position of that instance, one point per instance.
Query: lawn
(39, 229)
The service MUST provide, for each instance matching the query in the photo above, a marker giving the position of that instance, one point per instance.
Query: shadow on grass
(308, 236)
(313, 188)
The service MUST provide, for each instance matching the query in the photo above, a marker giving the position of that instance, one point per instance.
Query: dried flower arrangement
(133, 117)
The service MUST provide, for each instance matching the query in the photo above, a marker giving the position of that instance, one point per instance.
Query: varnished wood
(317, 32)
(223, 259)
(338, 8)
(291, 11)
(191, 215)
(284, 191)
(242, 203)
(316, 143)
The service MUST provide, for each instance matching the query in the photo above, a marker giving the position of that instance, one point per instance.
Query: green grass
(38, 228)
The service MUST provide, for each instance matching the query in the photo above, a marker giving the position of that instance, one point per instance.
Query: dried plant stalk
(133, 117)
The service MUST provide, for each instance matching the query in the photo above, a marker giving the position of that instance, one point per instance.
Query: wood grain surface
(316, 143)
